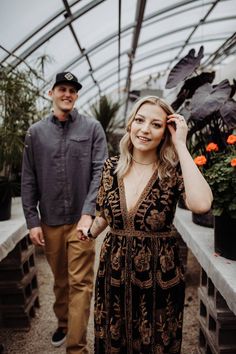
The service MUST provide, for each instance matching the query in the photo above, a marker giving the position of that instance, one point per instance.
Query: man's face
(63, 97)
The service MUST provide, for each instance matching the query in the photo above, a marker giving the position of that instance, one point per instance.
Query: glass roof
(113, 46)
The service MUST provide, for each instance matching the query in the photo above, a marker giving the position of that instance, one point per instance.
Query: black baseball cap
(69, 78)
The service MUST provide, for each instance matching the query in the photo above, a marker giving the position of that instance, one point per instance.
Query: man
(62, 163)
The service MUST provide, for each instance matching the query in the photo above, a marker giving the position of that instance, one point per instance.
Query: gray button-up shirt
(61, 169)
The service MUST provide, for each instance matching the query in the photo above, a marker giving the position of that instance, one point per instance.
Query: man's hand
(36, 236)
(82, 234)
(83, 225)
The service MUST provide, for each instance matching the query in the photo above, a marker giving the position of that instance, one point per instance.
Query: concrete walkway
(37, 339)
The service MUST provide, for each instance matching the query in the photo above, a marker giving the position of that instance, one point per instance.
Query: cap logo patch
(68, 76)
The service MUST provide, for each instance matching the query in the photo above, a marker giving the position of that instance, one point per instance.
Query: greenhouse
(76, 78)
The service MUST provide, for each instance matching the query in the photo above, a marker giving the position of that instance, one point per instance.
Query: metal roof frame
(132, 29)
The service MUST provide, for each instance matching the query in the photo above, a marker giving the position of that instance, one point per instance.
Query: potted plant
(219, 168)
(18, 99)
(212, 118)
(210, 110)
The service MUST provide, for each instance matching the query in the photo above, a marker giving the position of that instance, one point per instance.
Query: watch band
(90, 235)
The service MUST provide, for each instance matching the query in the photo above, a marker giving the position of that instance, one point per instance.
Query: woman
(140, 283)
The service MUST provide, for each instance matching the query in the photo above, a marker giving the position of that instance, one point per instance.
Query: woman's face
(148, 127)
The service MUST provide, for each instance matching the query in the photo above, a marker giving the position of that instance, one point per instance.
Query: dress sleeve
(107, 185)
(101, 193)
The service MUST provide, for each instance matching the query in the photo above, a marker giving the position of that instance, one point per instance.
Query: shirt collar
(71, 117)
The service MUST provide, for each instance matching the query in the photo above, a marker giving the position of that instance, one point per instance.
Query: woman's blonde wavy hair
(167, 157)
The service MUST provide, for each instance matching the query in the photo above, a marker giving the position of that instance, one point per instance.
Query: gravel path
(37, 339)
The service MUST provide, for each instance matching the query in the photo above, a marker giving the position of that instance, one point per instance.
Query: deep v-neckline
(141, 197)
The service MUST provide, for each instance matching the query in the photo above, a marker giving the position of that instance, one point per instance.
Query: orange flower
(231, 139)
(233, 162)
(212, 147)
(200, 160)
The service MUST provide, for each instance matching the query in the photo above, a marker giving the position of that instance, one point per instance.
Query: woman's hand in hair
(178, 128)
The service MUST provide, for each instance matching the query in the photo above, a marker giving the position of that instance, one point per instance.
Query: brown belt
(129, 232)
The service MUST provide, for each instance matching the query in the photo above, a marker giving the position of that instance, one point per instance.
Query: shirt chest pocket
(79, 147)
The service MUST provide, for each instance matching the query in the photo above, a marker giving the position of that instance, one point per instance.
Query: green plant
(210, 110)
(105, 111)
(219, 168)
(18, 109)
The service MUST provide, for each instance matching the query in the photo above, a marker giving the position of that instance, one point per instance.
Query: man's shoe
(59, 337)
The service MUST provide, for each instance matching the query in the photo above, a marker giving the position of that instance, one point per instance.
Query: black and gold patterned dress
(139, 293)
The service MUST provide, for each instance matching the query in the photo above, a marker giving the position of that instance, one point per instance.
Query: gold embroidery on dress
(140, 289)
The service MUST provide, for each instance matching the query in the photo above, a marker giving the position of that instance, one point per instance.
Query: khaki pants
(72, 264)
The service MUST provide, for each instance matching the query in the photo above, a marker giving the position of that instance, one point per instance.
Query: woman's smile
(143, 139)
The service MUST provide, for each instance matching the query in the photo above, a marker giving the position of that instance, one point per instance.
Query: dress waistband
(129, 232)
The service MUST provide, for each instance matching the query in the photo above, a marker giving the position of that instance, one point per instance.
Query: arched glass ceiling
(113, 45)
